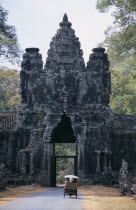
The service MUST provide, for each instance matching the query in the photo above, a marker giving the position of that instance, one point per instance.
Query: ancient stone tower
(68, 102)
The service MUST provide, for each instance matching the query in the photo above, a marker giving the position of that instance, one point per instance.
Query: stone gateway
(66, 102)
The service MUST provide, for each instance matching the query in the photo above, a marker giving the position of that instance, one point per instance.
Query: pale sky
(37, 21)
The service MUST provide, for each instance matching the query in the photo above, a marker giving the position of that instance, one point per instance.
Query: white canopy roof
(71, 177)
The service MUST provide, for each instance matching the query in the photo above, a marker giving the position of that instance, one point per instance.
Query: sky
(37, 21)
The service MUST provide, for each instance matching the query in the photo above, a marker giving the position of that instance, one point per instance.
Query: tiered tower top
(65, 49)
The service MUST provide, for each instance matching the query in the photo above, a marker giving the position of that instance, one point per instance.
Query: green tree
(9, 47)
(64, 166)
(120, 43)
(9, 88)
(123, 98)
(124, 13)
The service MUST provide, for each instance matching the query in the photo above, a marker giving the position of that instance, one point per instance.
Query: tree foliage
(125, 10)
(123, 98)
(9, 88)
(120, 43)
(9, 47)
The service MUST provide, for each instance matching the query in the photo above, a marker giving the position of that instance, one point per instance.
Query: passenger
(66, 181)
(75, 181)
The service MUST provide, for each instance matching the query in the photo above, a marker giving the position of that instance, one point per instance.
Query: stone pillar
(10, 152)
(109, 163)
(47, 152)
(31, 163)
(80, 150)
(98, 162)
(22, 164)
(105, 168)
(45, 163)
(79, 146)
(80, 158)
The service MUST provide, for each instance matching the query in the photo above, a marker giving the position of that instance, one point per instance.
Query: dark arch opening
(63, 132)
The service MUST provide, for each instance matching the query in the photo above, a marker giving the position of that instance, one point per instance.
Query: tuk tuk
(70, 186)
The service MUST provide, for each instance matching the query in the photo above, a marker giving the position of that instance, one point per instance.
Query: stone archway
(62, 133)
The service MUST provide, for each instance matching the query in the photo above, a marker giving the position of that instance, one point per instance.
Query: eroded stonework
(67, 102)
